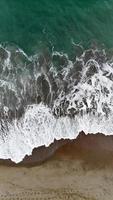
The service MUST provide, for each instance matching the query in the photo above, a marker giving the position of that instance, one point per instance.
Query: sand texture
(75, 172)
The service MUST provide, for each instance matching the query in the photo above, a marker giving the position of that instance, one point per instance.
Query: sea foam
(39, 103)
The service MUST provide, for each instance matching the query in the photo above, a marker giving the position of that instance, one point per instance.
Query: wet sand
(81, 169)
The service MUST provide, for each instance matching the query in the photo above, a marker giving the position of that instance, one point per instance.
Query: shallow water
(46, 94)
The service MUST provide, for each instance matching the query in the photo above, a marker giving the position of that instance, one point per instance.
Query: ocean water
(38, 24)
(56, 72)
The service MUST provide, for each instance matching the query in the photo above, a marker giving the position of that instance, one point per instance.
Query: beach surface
(76, 171)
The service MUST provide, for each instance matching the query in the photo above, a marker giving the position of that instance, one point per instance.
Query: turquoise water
(53, 95)
(35, 24)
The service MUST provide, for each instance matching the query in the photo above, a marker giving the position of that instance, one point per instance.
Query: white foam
(39, 127)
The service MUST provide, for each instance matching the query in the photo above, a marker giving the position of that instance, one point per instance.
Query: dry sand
(72, 173)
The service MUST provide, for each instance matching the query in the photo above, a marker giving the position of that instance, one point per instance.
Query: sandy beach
(56, 100)
(74, 172)
(64, 179)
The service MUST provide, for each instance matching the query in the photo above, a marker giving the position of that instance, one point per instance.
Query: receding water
(63, 83)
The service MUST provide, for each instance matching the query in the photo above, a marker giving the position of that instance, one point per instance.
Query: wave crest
(49, 96)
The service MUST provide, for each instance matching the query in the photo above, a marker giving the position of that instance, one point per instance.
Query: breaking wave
(51, 96)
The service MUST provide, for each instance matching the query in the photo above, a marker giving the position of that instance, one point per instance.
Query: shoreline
(98, 144)
(75, 171)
